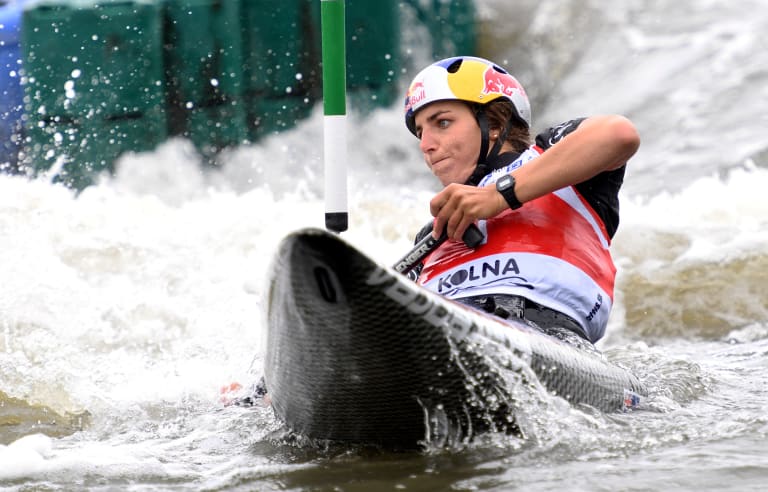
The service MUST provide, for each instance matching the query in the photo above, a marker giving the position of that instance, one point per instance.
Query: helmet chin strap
(485, 157)
(498, 144)
(482, 121)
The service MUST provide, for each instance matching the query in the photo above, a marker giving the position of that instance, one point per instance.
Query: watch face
(506, 186)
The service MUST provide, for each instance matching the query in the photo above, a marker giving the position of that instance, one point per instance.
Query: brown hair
(500, 113)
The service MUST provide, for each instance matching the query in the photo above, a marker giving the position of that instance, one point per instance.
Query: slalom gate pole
(335, 113)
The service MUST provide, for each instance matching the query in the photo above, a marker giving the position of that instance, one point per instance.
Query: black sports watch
(506, 186)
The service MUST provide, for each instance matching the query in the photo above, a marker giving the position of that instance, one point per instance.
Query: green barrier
(453, 28)
(282, 39)
(279, 67)
(373, 52)
(94, 85)
(203, 67)
(216, 127)
(123, 75)
(282, 59)
(80, 150)
(275, 50)
(451, 24)
(273, 115)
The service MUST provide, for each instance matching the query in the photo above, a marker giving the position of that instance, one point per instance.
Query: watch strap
(506, 186)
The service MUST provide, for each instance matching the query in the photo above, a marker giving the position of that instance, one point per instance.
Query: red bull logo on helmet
(416, 94)
(500, 83)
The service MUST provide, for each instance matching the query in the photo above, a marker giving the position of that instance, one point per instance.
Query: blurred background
(86, 81)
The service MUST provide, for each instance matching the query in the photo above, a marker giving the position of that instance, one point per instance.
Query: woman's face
(450, 140)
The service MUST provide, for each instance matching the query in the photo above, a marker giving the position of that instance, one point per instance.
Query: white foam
(25, 457)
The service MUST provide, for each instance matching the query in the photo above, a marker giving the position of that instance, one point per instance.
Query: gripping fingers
(455, 227)
(437, 227)
(466, 221)
(450, 211)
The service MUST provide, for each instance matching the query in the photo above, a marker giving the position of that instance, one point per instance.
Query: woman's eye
(443, 123)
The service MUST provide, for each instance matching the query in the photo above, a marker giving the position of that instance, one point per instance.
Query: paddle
(473, 236)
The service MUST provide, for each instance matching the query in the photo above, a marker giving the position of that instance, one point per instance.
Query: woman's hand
(458, 206)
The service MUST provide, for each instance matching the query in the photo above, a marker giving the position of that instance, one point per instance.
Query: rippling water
(123, 311)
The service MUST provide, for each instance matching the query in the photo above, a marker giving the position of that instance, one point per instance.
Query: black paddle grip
(472, 238)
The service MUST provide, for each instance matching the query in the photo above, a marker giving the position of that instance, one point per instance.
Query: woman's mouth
(438, 161)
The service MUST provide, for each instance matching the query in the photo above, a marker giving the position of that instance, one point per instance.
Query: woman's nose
(427, 142)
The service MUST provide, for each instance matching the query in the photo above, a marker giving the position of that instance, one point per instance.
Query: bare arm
(600, 143)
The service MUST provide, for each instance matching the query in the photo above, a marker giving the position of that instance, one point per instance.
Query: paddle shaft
(472, 238)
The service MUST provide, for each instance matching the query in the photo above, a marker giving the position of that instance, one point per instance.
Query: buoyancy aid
(553, 251)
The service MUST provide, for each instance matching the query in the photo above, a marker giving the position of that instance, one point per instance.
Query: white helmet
(465, 78)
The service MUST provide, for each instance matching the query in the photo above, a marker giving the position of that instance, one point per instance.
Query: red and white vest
(553, 251)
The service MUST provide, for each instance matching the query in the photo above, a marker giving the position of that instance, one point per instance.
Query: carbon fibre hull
(358, 353)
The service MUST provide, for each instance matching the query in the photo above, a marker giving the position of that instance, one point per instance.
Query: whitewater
(126, 308)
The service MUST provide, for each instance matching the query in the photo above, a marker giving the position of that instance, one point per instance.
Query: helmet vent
(454, 67)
